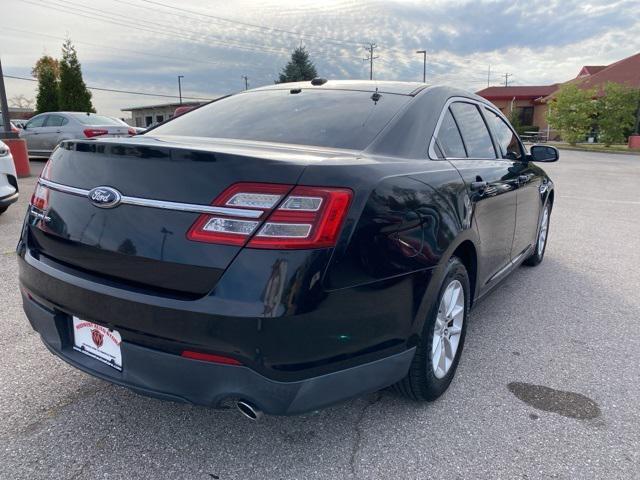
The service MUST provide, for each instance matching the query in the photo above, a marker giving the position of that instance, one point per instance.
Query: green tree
(74, 95)
(616, 112)
(514, 119)
(46, 61)
(299, 68)
(572, 112)
(47, 98)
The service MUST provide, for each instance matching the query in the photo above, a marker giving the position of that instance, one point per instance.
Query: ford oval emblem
(105, 197)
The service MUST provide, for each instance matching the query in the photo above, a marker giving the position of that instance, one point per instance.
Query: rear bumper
(171, 377)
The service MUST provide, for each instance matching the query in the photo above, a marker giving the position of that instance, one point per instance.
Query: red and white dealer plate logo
(98, 342)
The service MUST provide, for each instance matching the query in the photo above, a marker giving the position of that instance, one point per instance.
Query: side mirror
(543, 153)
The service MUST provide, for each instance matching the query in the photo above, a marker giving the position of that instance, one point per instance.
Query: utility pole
(489, 77)
(370, 58)
(6, 129)
(424, 65)
(180, 77)
(506, 78)
(246, 82)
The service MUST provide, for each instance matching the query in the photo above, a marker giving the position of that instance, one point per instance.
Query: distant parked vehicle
(45, 131)
(8, 179)
(13, 127)
(19, 122)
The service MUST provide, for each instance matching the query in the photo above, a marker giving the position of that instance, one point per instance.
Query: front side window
(508, 142)
(36, 122)
(474, 131)
(449, 138)
(348, 119)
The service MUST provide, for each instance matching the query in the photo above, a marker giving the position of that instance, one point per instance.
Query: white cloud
(543, 42)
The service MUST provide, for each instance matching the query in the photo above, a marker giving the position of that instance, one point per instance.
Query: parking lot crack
(357, 442)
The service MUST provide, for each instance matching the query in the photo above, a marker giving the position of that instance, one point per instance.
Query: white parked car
(45, 131)
(8, 179)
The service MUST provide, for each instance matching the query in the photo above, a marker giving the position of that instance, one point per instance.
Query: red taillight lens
(95, 132)
(40, 197)
(208, 357)
(310, 217)
(305, 217)
(132, 131)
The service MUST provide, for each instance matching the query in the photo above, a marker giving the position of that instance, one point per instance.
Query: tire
(424, 382)
(541, 240)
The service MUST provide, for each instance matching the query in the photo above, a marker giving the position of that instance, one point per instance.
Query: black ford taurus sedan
(284, 248)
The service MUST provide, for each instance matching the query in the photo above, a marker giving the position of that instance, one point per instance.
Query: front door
(528, 179)
(32, 133)
(52, 131)
(464, 140)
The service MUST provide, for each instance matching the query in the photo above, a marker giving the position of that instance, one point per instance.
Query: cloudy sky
(142, 45)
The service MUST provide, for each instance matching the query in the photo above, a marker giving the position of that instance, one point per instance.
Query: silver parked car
(8, 180)
(45, 131)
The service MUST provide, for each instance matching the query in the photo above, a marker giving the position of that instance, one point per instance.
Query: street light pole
(6, 130)
(424, 65)
(180, 77)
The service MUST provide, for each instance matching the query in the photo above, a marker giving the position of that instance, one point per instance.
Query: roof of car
(400, 88)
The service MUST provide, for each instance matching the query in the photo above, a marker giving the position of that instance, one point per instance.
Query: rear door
(529, 182)
(491, 182)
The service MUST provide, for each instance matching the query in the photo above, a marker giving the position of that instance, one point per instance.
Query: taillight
(95, 132)
(40, 197)
(132, 131)
(310, 217)
(300, 217)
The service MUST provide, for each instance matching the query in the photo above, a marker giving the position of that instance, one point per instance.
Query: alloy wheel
(448, 328)
(544, 229)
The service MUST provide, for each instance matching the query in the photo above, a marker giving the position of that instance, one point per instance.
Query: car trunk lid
(139, 243)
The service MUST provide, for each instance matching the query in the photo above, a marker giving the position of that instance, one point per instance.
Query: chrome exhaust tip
(249, 410)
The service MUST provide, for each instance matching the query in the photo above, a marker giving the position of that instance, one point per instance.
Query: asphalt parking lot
(570, 325)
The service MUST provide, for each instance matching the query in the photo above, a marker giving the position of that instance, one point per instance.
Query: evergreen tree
(74, 95)
(299, 68)
(47, 98)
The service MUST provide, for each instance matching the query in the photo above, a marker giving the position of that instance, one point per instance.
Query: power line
(113, 90)
(251, 25)
(136, 52)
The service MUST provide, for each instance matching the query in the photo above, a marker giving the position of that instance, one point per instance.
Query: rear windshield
(325, 118)
(92, 119)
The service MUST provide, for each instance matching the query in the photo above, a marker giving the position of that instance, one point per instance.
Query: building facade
(150, 115)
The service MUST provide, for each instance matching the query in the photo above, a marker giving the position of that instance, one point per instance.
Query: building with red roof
(531, 102)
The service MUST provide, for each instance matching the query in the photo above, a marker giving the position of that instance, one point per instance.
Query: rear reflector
(94, 132)
(300, 217)
(208, 357)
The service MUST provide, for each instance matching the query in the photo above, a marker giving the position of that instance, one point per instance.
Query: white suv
(8, 179)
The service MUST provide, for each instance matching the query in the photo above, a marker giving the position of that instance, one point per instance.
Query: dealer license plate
(98, 342)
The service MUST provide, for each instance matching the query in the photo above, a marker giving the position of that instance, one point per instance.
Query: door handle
(479, 185)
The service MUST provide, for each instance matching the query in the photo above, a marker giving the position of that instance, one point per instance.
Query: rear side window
(325, 118)
(449, 138)
(507, 140)
(92, 119)
(474, 131)
(56, 121)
